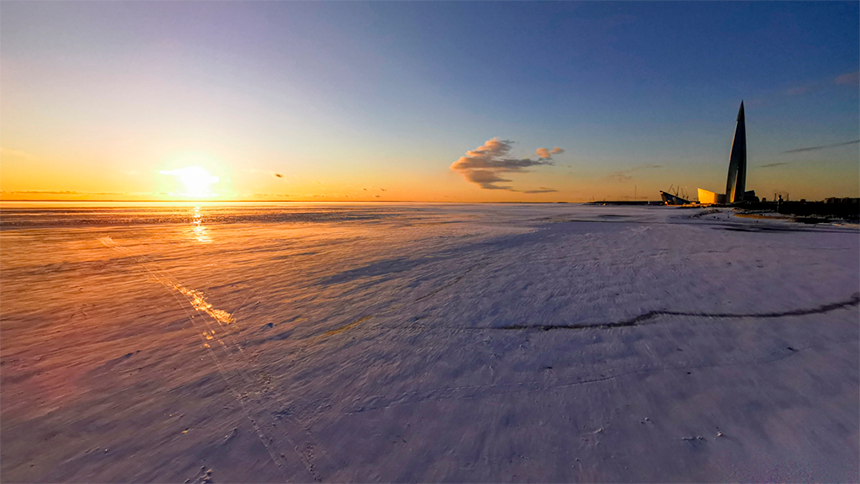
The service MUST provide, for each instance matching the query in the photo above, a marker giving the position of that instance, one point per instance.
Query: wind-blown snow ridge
(638, 320)
(470, 392)
(346, 327)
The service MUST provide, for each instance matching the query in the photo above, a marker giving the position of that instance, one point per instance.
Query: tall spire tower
(737, 181)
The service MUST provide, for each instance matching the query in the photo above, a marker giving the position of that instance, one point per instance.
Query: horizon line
(286, 201)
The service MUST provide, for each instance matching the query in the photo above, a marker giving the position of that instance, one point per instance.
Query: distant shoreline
(295, 201)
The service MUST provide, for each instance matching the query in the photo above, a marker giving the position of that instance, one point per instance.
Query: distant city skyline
(459, 102)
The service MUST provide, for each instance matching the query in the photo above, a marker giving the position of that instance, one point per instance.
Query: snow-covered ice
(380, 342)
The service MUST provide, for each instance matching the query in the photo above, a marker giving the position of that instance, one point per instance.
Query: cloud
(814, 148)
(620, 176)
(541, 190)
(849, 79)
(267, 195)
(16, 153)
(625, 175)
(545, 153)
(487, 179)
(779, 96)
(771, 165)
(484, 164)
(51, 192)
(78, 194)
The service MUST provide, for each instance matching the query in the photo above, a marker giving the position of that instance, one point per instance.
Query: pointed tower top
(741, 112)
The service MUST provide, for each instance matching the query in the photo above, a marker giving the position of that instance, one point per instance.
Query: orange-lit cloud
(545, 153)
(484, 164)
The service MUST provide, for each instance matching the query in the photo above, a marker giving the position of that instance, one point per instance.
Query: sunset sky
(424, 101)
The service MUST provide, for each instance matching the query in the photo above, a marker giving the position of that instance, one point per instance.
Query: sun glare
(196, 180)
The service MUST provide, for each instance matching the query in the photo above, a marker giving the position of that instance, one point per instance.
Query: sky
(425, 101)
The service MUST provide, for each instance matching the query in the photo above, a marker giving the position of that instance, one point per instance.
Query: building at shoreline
(737, 179)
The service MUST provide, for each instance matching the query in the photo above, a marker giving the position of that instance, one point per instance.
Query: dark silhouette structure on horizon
(737, 180)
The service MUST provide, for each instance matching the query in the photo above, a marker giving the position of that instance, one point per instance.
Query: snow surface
(377, 342)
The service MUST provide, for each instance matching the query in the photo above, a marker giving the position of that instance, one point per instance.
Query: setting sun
(196, 180)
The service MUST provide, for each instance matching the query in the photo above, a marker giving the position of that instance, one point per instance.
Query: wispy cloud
(541, 190)
(626, 175)
(771, 165)
(78, 194)
(848, 79)
(46, 192)
(485, 164)
(814, 148)
(15, 153)
(267, 195)
(851, 79)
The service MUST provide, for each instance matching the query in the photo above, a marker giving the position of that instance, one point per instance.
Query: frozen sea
(418, 342)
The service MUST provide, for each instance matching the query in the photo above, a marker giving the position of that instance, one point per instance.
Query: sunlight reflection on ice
(199, 303)
(199, 230)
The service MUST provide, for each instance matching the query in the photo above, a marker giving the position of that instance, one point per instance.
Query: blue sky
(345, 96)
